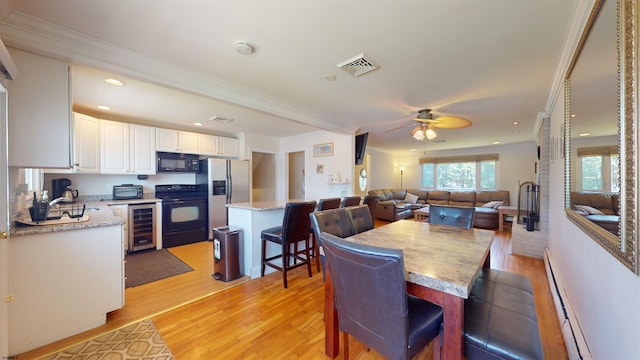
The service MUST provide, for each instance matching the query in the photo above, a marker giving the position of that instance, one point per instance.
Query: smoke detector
(358, 65)
(243, 48)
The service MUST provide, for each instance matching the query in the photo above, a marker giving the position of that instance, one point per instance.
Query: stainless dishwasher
(142, 226)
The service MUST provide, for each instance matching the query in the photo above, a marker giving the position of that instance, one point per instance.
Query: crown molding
(578, 22)
(32, 34)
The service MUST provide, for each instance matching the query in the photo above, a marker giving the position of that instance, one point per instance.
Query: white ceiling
(493, 62)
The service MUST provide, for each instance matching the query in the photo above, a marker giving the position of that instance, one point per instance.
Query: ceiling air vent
(358, 65)
(220, 119)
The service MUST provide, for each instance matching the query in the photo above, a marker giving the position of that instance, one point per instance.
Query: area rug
(138, 341)
(152, 265)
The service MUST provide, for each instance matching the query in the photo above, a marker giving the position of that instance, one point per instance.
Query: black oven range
(184, 214)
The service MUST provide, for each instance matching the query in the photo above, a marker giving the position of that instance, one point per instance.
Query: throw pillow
(410, 198)
(493, 204)
(581, 212)
(589, 210)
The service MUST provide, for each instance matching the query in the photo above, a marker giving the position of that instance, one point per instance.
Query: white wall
(604, 294)
(341, 163)
(516, 165)
(102, 184)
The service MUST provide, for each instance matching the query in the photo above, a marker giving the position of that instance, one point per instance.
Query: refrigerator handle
(229, 183)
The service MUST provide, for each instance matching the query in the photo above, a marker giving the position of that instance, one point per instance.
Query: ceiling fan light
(430, 134)
(418, 133)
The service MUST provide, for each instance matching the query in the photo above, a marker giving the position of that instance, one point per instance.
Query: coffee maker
(59, 186)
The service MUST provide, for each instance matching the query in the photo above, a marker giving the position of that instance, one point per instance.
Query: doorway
(263, 176)
(296, 175)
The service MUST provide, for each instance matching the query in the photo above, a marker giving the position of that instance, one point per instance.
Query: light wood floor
(259, 319)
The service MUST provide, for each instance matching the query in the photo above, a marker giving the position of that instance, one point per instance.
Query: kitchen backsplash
(100, 186)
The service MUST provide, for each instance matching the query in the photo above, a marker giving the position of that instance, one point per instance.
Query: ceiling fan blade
(451, 122)
(399, 127)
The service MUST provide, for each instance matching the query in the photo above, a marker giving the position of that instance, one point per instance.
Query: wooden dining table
(441, 264)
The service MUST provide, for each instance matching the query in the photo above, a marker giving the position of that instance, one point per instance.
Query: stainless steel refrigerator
(227, 182)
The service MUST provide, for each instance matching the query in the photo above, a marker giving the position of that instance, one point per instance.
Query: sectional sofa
(396, 204)
(598, 207)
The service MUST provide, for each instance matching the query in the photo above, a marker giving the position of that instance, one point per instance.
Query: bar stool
(295, 228)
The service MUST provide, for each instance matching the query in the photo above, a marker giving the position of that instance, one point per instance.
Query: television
(361, 145)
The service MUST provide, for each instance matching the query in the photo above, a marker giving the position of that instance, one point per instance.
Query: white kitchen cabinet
(114, 147)
(142, 148)
(126, 148)
(228, 147)
(188, 142)
(178, 141)
(167, 140)
(123, 212)
(86, 144)
(39, 112)
(208, 144)
(68, 282)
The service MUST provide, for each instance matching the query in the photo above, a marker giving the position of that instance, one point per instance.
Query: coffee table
(421, 214)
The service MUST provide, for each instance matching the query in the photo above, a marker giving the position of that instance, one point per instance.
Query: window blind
(459, 159)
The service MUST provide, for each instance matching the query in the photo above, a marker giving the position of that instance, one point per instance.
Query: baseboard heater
(577, 348)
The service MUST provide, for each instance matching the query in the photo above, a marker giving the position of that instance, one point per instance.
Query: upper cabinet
(142, 148)
(127, 148)
(39, 112)
(208, 144)
(178, 141)
(188, 142)
(228, 147)
(86, 144)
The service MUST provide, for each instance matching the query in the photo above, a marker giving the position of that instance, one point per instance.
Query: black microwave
(177, 163)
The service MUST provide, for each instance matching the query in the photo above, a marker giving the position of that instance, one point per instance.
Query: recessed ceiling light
(103, 107)
(112, 81)
(584, 134)
(573, 115)
(197, 124)
(496, 142)
(515, 123)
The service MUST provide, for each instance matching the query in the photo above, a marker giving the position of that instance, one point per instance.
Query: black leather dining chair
(335, 222)
(295, 228)
(372, 202)
(360, 218)
(372, 300)
(350, 201)
(323, 204)
(452, 215)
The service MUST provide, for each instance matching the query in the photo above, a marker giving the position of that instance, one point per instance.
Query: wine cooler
(142, 227)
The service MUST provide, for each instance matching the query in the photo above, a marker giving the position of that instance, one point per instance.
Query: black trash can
(227, 253)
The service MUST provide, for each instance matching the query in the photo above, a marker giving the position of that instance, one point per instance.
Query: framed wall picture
(325, 149)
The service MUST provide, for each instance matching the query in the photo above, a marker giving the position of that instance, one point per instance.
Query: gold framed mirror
(601, 100)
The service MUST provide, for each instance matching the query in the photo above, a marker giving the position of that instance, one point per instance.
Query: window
(598, 169)
(471, 173)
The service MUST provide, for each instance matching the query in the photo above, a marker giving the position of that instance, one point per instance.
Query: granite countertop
(263, 205)
(99, 214)
(442, 258)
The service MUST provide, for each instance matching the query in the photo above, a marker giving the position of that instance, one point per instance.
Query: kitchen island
(65, 278)
(252, 218)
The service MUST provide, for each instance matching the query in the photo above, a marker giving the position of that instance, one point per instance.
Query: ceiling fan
(425, 124)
